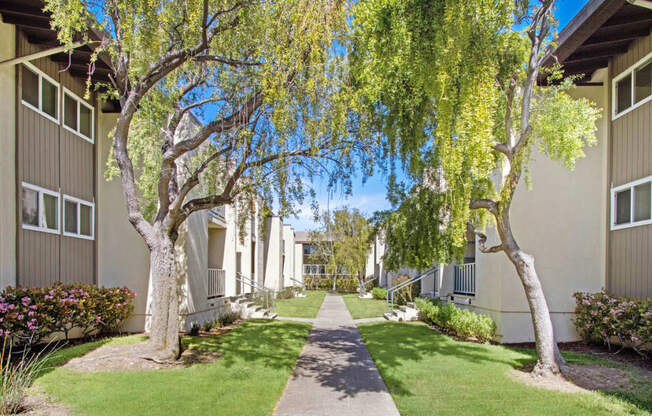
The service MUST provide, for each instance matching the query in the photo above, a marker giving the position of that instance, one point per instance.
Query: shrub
(379, 293)
(207, 326)
(194, 330)
(342, 284)
(459, 322)
(599, 317)
(406, 294)
(287, 293)
(31, 314)
(227, 318)
(16, 377)
(325, 283)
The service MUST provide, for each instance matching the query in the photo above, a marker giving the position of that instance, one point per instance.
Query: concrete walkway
(335, 374)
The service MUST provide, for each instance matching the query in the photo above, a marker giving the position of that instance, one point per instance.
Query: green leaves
(443, 82)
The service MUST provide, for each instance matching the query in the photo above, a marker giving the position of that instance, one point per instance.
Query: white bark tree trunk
(549, 360)
(164, 334)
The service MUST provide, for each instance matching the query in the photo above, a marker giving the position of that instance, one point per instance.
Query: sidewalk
(335, 374)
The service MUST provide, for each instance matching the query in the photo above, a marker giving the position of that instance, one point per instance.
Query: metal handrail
(392, 290)
(253, 285)
(302, 284)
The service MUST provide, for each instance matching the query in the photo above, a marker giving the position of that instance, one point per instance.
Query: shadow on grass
(392, 344)
(260, 341)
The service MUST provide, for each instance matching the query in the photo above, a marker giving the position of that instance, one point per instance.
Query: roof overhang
(601, 30)
(29, 17)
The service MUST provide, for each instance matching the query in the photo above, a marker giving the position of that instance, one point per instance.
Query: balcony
(216, 283)
(464, 283)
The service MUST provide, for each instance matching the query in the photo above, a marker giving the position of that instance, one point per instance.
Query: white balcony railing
(216, 282)
(465, 279)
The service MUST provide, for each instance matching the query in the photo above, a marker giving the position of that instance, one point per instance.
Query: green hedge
(599, 317)
(30, 314)
(379, 293)
(459, 322)
(343, 285)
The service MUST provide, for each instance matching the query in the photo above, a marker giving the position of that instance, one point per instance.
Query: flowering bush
(30, 314)
(599, 317)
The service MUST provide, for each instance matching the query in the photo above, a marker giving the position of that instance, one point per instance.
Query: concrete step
(392, 317)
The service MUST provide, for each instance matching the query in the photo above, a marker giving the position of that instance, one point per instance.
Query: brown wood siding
(57, 159)
(630, 262)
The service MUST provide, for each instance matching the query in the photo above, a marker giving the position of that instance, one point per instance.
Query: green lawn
(428, 373)
(258, 357)
(301, 307)
(364, 308)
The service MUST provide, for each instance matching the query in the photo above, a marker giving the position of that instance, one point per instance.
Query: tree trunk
(363, 290)
(549, 360)
(164, 332)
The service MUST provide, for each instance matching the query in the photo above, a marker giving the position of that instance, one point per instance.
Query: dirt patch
(135, 357)
(38, 404)
(627, 355)
(578, 378)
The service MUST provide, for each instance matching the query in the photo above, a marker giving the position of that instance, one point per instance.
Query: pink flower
(25, 301)
(20, 317)
(634, 339)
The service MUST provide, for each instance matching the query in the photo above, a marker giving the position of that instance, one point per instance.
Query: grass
(301, 307)
(364, 308)
(429, 373)
(249, 378)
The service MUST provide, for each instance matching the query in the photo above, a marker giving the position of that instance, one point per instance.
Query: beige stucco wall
(561, 221)
(8, 158)
(122, 258)
(298, 261)
(273, 239)
(288, 264)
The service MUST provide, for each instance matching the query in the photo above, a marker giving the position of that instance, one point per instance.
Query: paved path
(335, 375)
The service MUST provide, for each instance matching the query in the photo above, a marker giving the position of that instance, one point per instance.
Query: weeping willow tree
(452, 88)
(265, 78)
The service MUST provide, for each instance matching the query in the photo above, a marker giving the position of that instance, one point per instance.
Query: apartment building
(62, 221)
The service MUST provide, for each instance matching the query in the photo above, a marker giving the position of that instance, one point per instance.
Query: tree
(453, 88)
(265, 78)
(344, 243)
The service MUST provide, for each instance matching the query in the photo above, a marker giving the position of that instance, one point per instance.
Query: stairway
(250, 310)
(405, 313)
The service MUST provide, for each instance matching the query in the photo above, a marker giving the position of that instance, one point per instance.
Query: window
(78, 217)
(309, 249)
(643, 82)
(624, 93)
(40, 209)
(77, 116)
(632, 204)
(40, 92)
(633, 87)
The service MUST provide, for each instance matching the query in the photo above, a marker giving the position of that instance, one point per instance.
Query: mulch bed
(627, 355)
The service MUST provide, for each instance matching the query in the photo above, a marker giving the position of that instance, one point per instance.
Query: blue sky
(370, 197)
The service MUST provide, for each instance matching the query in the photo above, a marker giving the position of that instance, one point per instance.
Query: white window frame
(78, 203)
(41, 191)
(624, 187)
(633, 105)
(42, 75)
(80, 102)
